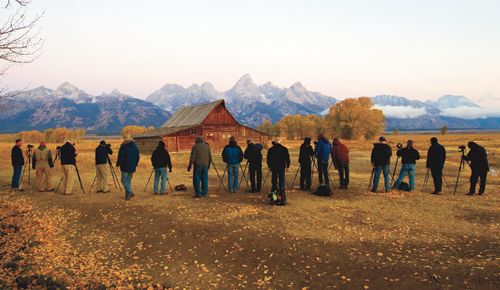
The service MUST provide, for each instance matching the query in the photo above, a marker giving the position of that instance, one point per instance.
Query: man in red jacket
(340, 157)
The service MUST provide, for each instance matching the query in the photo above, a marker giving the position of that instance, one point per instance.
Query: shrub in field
(31, 136)
(444, 129)
(352, 119)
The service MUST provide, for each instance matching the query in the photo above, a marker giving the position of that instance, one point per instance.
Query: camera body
(399, 145)
(108, 145)
(30, 146)
(461, 148)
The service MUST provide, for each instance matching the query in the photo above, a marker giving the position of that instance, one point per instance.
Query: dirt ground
(352, 240)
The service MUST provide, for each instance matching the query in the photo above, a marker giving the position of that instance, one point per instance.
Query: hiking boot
(196, 196)
(155, 193)
(129, 197)
(106, 191)
(162, 193)
(482, 193)
(470, 193)
(436, 193)
(99, 191)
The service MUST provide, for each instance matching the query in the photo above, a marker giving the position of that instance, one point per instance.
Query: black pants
(323, 171)
(278, 179)
(255, 169)
(437, 177)
(305, 175)
(478, 174)
(343, 169)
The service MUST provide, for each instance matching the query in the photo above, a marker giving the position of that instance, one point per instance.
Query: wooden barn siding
(216, 129)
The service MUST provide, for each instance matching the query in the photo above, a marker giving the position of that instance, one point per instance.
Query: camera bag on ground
(180, 187)
(404, 186)
(277, 198)
(323, 190)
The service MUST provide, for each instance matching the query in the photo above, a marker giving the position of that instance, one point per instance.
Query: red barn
(212, 121)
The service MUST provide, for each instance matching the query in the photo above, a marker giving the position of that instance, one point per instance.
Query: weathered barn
(212, 121)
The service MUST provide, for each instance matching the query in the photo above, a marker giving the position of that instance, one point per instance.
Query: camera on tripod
(461, 148)
(30, 146)
(399, 145)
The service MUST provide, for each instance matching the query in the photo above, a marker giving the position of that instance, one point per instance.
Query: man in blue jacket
(232, 155)
(323, 150)
(128, 158)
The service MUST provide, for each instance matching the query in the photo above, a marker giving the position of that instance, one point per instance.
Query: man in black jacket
(17, 160)
(436, 157)
(478, 161)
(306, 154)
(102, 153)
(409, 156)
(381, 162)
(253, 155)
(161, 160)
(278, 159)
(68, 162)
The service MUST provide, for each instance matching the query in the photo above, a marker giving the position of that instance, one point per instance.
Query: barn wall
(220, 116)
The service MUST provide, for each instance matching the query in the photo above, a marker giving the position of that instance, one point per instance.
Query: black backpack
(404, 186)
(277, 198)
(323, 190)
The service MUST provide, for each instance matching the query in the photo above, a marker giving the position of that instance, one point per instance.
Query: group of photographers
(436, 156)
(278, 160)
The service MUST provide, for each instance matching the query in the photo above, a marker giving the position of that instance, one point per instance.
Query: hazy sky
(419, 49)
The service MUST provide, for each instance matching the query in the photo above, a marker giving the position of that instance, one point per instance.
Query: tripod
(460, 167)
(244, 176)
(77, 174)
(220, 178)
(149, 179)
(394, 171)
(27, 164)
(426, 180)
(370, 182)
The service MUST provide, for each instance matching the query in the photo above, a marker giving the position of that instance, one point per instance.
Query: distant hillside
(70, 107)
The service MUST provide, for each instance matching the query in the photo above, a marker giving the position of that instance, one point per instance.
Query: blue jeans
(160, 173)
(127, 183)
(16, 177)
(200, 175)
(323, 172)
(379, 169)
(406, 169)
(232, 177)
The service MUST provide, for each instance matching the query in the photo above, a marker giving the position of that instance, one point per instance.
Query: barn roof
(192, 115)
(162, 131)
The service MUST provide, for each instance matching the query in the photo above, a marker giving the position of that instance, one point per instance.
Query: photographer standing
(409, 156)
(17, 160)
(436, 157)
(128, 158)
(68, 162)
(42, 163)
(278, 160)
(381, 162)
(340, 158)
(306, 154)
(101, 166)
(253, 155)
(323, 150)
(160, 160)
(478, 161)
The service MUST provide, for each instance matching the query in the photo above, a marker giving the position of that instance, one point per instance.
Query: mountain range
(69, 106)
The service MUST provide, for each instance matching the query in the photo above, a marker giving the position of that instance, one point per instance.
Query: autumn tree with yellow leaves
(354, 118)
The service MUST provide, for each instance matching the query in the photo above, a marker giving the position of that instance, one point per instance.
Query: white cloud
(471, 113)
(401, 111)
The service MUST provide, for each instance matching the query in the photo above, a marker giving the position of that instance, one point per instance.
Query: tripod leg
(458, 175)
(370, 182)
(117, 180)
(79, 179)
(295, 177)
(424, 187)
(149, 179)
(222, 180)
(170, 185)
(244, 176)
(394, 171)
(60, 181)
(92, 185)
(446, 183)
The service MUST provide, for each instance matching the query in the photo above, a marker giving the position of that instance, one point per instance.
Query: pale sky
(420, 49)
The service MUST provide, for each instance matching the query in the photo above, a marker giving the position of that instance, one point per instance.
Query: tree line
(56, 135)
(349, 119)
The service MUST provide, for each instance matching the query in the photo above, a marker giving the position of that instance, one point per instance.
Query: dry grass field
(352, 240)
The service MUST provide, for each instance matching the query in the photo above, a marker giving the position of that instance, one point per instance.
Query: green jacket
(200, 154)
(42, 158)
